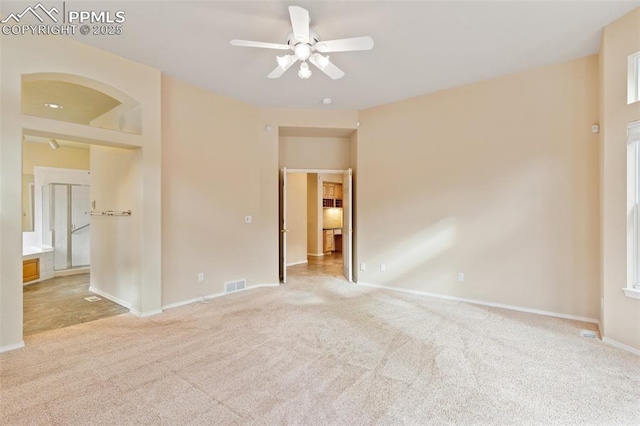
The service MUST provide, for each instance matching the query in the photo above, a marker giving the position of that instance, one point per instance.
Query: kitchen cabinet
(331, 194)
(328, 240)
(338, 191)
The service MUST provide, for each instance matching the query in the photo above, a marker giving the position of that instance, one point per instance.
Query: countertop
(28, 251)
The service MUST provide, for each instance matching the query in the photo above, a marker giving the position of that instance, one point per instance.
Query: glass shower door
(80, 231)
(60, 222)
(69, 225)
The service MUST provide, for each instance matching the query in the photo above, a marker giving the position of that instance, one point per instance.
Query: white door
(347, 225)
(283, 225)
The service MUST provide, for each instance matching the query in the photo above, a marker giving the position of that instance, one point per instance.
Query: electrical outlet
(363, 266)
(383, 267)
(460, 276)
(248, 219)
(201, 276)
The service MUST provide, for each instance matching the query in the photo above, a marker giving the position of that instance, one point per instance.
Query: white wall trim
(315, 254)
(190, 301)
(632, 293)
(112, 298)
(263, 285)
(483, 303)
(145, 314)
(213, 296)
(72, 271)
(621, 346)
(12, 347)
(297, 263)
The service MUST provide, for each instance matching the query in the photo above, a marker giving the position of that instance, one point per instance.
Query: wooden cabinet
(338, 191)
(331, 194)
(31, 269)
(328, 241)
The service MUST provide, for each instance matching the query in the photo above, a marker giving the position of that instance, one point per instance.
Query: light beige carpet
(320, 351)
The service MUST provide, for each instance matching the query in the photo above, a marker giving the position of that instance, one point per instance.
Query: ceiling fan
(306, 46)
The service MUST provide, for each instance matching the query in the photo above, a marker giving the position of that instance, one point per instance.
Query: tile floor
(329, 264)
(60, 302)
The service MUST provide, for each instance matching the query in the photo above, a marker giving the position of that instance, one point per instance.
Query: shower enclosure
(65, 225)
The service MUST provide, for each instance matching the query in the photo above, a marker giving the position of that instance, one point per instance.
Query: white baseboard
(263, 285)
(297, 263)
(621, 346)
(110, 297)
(125, 304)
(315, 254)
(73, 271)
(483, 303)
(12, 347)
(213, 296)
(145, 314)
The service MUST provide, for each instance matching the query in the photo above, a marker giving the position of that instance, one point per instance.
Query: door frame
(353, 205)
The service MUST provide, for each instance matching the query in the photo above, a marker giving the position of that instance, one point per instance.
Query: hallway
(327, 265)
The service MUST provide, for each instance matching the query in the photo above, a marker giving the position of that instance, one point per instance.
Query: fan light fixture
(306, 46)
(302, 51)
(304, 72)
(284, 61)
(323, 61)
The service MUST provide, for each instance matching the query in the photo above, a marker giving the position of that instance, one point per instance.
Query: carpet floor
(320, 351)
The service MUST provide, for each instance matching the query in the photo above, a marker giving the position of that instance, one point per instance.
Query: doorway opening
(57, 236)
(316, 218)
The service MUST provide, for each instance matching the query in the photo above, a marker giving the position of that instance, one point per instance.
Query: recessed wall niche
(79, 100)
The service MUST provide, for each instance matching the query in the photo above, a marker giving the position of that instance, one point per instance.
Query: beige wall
(314, 153)
(116, 185)
(41, 154)
(296, 218)
(621, 314)
(23, 55)
(210, 182)
(497, 180)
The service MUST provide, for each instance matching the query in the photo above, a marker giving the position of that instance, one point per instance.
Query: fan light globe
(304, 72)
(302, 51)
(323, 61)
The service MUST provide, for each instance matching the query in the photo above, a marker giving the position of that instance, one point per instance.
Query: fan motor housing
(313, 39)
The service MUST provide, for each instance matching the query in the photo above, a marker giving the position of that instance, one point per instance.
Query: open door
(283, 225)
(347, 225)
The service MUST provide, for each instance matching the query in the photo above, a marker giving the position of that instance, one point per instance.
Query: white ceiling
(420, 46)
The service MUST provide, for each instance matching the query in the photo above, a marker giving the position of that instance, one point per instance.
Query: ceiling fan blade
(278, 71)
(326, 66)
(345, 44)
(300, 23)
(261, 44)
